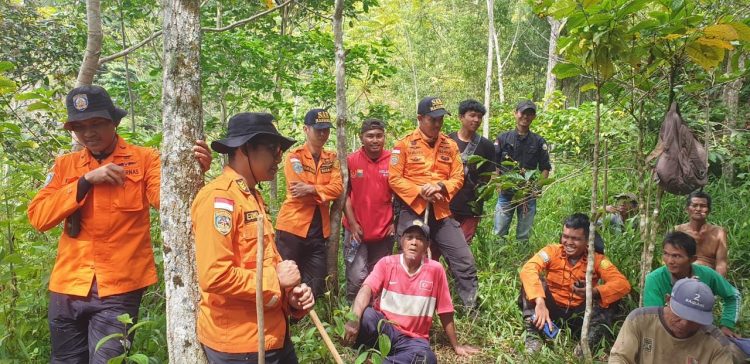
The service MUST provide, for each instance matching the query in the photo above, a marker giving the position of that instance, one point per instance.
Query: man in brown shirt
(711, 239)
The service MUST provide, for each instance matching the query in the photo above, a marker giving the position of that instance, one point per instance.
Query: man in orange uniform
(426, 168)
(225, 217)
(104, 257)
(313, 180)
(561, 294)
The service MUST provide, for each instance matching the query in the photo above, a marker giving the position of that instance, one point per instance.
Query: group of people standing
(421, 193)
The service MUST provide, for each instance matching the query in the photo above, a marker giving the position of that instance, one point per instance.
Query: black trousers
(285, 355)
(76, 325)
(310, 256)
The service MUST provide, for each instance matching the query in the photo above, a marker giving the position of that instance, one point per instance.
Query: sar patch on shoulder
(222, 221)
(394, 159)
(605, 264)
(48, 179)
(545, 257)
(296, 165)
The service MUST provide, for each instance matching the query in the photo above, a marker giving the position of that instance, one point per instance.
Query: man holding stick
(225, 217)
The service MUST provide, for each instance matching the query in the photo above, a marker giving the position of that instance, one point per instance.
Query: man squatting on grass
(561, 294)
(408, 289)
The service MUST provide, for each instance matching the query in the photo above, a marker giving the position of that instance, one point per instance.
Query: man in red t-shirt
(408, 290)
(368, 208)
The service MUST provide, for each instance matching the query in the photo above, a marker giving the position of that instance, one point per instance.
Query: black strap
(470, 148)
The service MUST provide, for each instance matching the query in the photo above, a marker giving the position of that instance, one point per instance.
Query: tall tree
(488, 75)
(556, 27)
(93, 44)
(341, 150)
(182, 124)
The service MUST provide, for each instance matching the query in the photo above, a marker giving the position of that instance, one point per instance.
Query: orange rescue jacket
(225, 217)
(414, 163)
(561, 276)
(114, 243)
(295, 215)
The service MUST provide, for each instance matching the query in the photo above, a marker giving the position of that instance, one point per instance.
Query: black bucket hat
(88, 102)
(245, 126)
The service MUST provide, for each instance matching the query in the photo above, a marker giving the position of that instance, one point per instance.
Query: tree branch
(158, 33)
(245, 21)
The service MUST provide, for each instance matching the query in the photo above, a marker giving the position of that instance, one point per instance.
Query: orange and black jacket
(560, 276)
(114, 243)
(415, 163)
(296, 213)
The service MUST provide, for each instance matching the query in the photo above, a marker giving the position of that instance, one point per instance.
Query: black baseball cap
(88, 102)
(318, 119)
(526, 105)
(422, 227)
(245, 126)
(370, 124)
(432, 107)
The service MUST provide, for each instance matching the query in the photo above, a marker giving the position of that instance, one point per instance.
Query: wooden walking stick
(426, 219)
(326, 338)
(259, 292)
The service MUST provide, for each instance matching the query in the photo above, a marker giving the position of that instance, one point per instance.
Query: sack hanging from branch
(682, 166)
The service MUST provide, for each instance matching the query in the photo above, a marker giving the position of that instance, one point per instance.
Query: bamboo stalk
(259, 292)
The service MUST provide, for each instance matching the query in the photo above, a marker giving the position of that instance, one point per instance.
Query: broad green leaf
(125, 319)
(6, 66)
(632, 7)
(566, 70)
(562, 8)
(139, 358)
(384, 344)
(27, 96)
(588, 87)
(361, 358)
(136, 326)
(117, 360)
(38, 106)
(109, 337)
(7, 85)
(589, 3)
(677, 6)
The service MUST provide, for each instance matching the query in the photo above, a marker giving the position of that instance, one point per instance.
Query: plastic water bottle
(351, 252)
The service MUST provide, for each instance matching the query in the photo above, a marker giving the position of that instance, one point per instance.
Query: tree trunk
(93, 44)
(341, 117)
(182, 125)
(556, 27)
(592, 228)
(732, 102)
(498, 60)
(488, 76)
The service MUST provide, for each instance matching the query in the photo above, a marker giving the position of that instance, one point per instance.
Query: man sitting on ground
(680, 332)
(561, 295)
(679, 258)
(408, 289)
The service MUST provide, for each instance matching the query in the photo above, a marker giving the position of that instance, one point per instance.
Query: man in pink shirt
(408, 290)
(368, 208)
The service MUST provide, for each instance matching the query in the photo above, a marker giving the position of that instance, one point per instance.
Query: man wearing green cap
(226, 217)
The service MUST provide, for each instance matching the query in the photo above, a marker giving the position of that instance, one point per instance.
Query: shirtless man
(711, 239)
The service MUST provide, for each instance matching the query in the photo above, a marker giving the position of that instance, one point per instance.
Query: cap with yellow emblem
(432, 107)
(318, 119)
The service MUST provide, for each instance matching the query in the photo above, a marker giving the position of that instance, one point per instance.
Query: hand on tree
(301, 189)
(465, 350)
(202, 155)
(288, 274)
(301, 298)
(109, 173)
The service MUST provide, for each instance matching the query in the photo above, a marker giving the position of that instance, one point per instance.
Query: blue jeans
(504, 216)
(404, 349)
